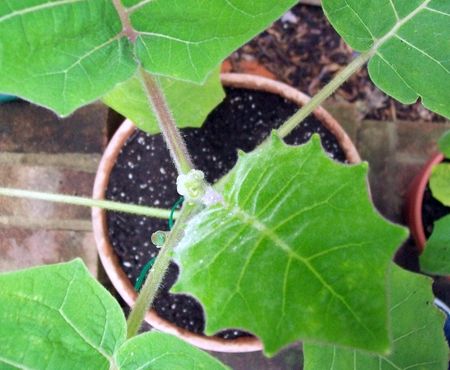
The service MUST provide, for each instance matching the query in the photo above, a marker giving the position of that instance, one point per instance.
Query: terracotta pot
(415, 200)
(106, 252)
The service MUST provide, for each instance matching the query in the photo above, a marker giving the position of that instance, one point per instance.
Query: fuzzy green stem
(323, 94)
(174, 140)
(156, 275)
(88, 202)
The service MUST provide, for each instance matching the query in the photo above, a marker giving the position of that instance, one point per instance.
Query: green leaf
(188, 39)
(190, 103)
(436, 257)
(62, 54)
(409, 41)
(444, 144)
(295, 251)
(160, 351)
(417, 332)
(440, 183)
(58, 317)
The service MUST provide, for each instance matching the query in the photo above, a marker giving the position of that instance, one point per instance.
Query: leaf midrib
(401, 22)
(269, 233)
(69, 322)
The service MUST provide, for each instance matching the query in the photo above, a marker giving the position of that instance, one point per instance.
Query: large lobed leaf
(436, 257)
(63, 54)
(417, 332)
(190, 103)
(59, 317)
(409, 39)
(295, 251)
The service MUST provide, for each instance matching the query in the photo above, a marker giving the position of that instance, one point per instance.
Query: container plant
(287, 245)
(123, 173)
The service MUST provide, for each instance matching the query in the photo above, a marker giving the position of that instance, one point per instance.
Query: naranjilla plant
(286, 246)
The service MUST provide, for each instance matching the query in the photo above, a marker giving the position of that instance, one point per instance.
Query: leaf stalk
(88, 202)
(172, 135)
(152, 283)
(287, 127)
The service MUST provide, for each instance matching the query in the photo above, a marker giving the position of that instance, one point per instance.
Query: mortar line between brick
(73, 161)
(7, 222)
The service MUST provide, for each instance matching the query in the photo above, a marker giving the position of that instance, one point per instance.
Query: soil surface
(303, 50)
(144, 174)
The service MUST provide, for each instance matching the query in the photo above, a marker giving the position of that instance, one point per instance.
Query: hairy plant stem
(166, 122)
(127, 28)
(88, 202)
(156, 275)
(286, 128)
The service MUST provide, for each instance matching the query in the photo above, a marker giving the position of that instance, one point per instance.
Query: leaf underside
(190, 103)
(63, 54)
(410, 42)
(57, 317)
(417, 332)
(156, 350)
(435, 259)
(296, 251)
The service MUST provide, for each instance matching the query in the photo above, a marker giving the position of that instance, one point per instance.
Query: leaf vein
(32, 9)
(437, 11)
(360, 20)
(394, 70)
(423, 52)
(261, 227)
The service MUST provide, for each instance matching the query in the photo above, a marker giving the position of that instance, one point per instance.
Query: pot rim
(415, 201)
(110, 260)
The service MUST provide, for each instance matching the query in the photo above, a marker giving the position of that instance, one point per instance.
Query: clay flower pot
(415, 200)
(110, 260)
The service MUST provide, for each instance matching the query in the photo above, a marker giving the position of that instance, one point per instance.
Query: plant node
(192, 186)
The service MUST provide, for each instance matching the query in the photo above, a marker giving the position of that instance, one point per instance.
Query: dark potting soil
(144, 174)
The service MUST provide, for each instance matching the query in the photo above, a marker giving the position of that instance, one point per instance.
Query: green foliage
(444, 144)
(190, 103)
(59, 317)
(417, 335)
(62, 54)
(66, 53)
(440, 183)
(187, 39)
(161, 351)
(295, 251)
(436, 257)
(409, 41)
